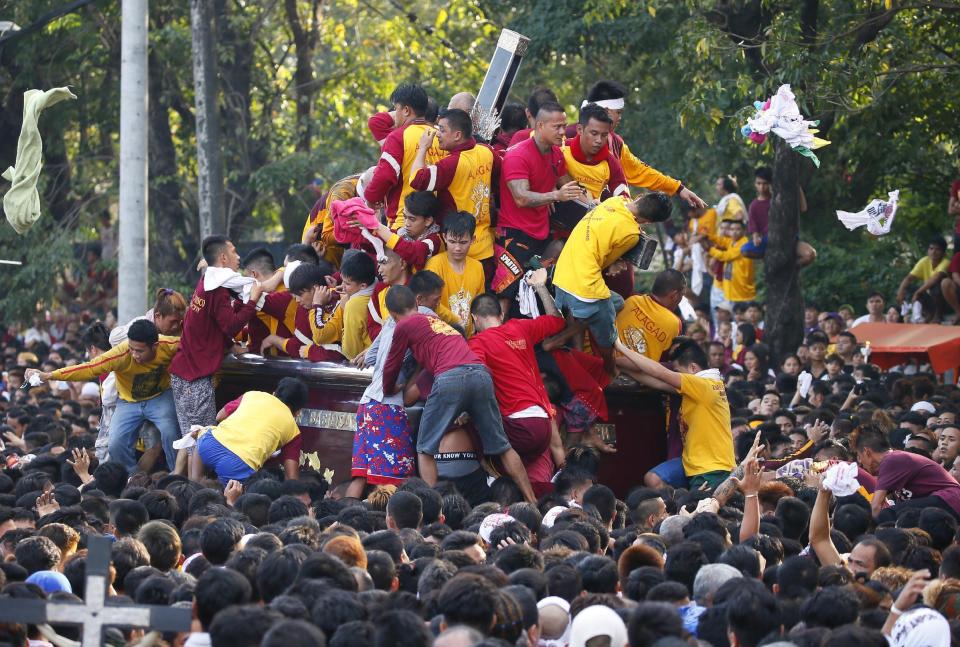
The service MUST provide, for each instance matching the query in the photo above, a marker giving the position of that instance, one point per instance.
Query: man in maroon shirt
(533, 177)
(913, 481)
(460, 384)
(213, 319)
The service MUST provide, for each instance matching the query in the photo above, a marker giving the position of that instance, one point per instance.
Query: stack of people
(807, 499)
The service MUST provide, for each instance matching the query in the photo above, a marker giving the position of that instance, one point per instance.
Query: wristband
(680, 188)
(749, 496)
(894, 609)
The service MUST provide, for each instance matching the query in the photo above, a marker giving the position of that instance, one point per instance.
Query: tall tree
(209, 160)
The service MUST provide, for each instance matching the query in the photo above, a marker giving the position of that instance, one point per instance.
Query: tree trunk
(209, 161)
(305, 38)
(134, 99)
(784, 318)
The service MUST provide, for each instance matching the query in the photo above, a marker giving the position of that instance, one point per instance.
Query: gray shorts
(195, 402)
(600, 316)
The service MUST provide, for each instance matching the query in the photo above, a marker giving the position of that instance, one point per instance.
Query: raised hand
(46, 504)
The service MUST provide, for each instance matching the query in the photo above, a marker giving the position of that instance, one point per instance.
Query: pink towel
(355, 209)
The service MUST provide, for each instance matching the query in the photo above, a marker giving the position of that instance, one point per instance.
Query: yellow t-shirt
(261, 425)
(458, 289)
(739, 279)
(471, 191)
(411, 143)
(705, 422)
(924, 268)
(347, 326)
(594, 177)
(135, 382)
(647, 327)
(603, 235)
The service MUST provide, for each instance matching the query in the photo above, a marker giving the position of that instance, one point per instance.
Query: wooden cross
(95, 613)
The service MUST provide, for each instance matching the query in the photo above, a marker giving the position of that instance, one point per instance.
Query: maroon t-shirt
(906, 476)
(436, 346)
(758, 217)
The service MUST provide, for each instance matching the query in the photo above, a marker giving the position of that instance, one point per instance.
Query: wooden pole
(134, 225)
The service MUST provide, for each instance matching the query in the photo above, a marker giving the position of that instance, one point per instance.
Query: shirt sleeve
(380, 125)
(387, 173)
(95, 368)
(291, 451)
(536, 330)
(639, 173)
(415, 252)
(437, 176)
(617, 182)
(917, 271)
(394, 361)
(515, 166)
(730, 254)
(231, 321)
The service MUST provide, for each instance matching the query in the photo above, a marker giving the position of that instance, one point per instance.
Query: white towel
(22, 201)
(841, 479)
(877, 216)
(527, 297)
(699, 267)
(804, 382)
(224, 277)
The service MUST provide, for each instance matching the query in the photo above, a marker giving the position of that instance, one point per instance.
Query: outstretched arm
(820, 540)
(649, 367)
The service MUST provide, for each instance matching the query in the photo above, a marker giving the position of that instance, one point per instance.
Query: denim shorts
(600, 316)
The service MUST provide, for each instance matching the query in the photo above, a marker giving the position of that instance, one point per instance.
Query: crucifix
(95, 613)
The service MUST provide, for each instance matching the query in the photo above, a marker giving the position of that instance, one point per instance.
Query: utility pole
(209, 160)
(134, 225)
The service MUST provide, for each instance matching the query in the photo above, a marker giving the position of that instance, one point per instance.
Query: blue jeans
(125, 425)
(466, 388)
(600, 316)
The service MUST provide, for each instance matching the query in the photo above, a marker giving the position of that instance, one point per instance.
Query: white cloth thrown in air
(877, 216)
(21, 203)
(698, 269)
(783, 118)
(841, 479)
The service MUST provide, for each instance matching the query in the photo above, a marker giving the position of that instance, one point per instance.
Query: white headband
(610, 104)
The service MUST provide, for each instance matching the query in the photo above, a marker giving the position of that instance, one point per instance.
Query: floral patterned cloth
(383, 444)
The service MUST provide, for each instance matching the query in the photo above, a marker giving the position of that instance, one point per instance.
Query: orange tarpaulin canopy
(892, 344)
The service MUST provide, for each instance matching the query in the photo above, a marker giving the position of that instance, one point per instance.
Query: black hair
(155, 590)
(424, 283)
(752, 614)
(564, 581)
(279, 570)
(486, 305)
(764, 173)
(743, 558)
(939, 241)
(111, 477)
(869, 437)
(212, 247)
(294, 633)
(242, 625)
(654, 207)
(293, 392)
(128, 516)
(412, 96)
(37, 554)
(285, 508)
(459, 223)
(306, 276)
(690, 352)
(96, 335)
(797, 577)
(548, 108)
(606, 89)
(301, 252)
(422, 203)
(539, 97)
(386, 540)
(468, 599)
(326, 566)
(598, 574)
(432, 111)
(401, 628)
(125, 555)
(400, 300)
(512, 118)
(260, 258)
(459, 121)
(359, 268)
(794, 515)
(381, 568)
(601, 497)
(651, 621)
(336, 608)
(595, 112)
(220, 539)
(830, 607)
(667, 281)
(143, 331)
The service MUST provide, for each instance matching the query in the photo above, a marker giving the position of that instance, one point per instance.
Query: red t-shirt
(954, 264)
(436, 346)
(525, 162)
(507, 350)
(519, 136)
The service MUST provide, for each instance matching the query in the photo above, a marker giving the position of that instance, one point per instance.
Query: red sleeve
(536, 330)
(380, 125)
(617, 182)
(291, 451)
(275, 304)
(559, 162)
(515, 166)
(388, 169)
(231, 406)
(954, 264)
(416, 252)
(520, 136)
(438, 176)
(398, 348)
(229, 321)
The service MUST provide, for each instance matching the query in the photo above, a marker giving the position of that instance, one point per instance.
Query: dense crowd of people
(806, 500)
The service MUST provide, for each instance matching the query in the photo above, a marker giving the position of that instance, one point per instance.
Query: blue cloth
(221, 460)
(671, 472)
(130, 416)
(690, 613)
(600, 316)
(50, 581)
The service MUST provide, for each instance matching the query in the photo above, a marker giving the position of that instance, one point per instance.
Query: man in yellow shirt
(739, 279)
(930, 271)
(259, 425)
(143, 384)
(603, 235)
(708, 455)
(462, 276)
(588, 157)
(647, 324)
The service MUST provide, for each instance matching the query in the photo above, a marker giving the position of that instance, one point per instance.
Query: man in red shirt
(213, 319)
(507, 349)
(534, 176)
(460, 384)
